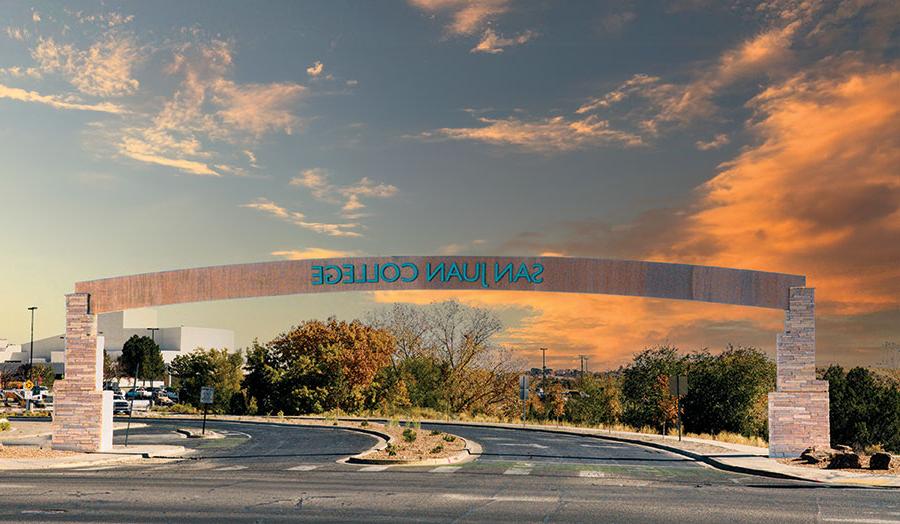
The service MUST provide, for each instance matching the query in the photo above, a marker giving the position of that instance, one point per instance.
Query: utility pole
(582, 358)
(544, 370)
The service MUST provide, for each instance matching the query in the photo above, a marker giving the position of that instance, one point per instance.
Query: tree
(645, 394)
(319, 366)
(864, 408)
(111, 368)
(729, 391)
(447, 357)
(213, 367)
(43, 375)
(144, 351)
(556, 400)
(598, 401)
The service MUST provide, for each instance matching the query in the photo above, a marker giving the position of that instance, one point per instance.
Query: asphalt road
(267, 473)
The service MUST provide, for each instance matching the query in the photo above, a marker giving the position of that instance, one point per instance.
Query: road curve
(289, 473)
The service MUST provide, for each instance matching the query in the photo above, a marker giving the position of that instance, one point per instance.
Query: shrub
(438, 448)
(4, 425)
(364, 423)
(409, 435)
(449, 438)
(182, 409)
(435, 432)
(391, 449)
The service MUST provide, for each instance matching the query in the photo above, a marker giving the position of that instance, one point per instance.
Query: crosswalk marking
(374, 468)
(591, 474)
(231, 468)
(445, 469)
(517, 471)
(303, 468)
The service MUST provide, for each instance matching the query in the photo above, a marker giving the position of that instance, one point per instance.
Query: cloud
(17, 33)
(22, 95)
(104, 69)
(315, 69)
(35, 16)
(717, 141)
(20, 72)
(317, 181)
(547, 135)
(493, 44)
(466, 16)
(313, 253)
(299, 219)
(209, 107)
(257, 108)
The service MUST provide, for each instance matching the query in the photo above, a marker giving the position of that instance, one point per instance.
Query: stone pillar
(798, 409)
(82, 417)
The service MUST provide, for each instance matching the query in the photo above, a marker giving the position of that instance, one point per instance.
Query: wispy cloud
(349, 196)
(103, 70)
(22, 95)
(466, 16)
(299, 219)
(315, 69)
(547, 135)
(716, 142)
(492, 43)
(208, 107)
(313, 253)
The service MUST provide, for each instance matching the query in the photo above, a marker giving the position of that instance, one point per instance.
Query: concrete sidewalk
(118, 456)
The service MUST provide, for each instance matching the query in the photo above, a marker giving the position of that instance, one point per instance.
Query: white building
(114, 329)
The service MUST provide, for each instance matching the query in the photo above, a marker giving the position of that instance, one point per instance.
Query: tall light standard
(31, 359)
(153, 333)
(544, 370)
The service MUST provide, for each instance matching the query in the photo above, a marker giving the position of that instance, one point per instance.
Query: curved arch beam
(551, 274)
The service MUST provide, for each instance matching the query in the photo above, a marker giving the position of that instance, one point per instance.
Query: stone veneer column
(82, 417)
(798, 409)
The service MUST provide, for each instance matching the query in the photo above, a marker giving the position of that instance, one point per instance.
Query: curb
(189, 433)
(470, 452)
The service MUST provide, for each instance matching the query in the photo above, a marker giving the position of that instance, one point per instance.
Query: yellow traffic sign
(28, 384)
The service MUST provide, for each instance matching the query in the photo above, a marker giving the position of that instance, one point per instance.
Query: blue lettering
(538, 271)
(396, 272)
(317, 276)
(349, 273)
(374, 275)
(336, 277)
(498, 276)
(522, 273)
(431, 274)
(415, 272)
(454, 270)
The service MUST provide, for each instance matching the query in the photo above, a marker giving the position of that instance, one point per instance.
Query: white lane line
(95, 469)
(600, 446)
(863, 521)
(231, 468)
(518, 471)
(500, 498)
(302, 468)
(538, 446)
(591, 474)
(374, 468)
(445, 469)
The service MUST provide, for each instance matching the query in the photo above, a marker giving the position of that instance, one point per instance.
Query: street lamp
(31, 359)
(544, 370)
(153, 333)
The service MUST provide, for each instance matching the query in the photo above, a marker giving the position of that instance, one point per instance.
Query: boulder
(841, 447)
(880, 461)
(815, 456)
(845, 460)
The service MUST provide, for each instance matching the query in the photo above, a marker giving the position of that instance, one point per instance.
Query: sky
(145, 136)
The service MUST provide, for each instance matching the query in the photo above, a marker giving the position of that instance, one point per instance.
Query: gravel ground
(29, 452)
(863, 460)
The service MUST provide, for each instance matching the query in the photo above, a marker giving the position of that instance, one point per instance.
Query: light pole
(544, 370)
(31, 358)
(153, 333)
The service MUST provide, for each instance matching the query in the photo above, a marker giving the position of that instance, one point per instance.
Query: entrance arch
(798, 409)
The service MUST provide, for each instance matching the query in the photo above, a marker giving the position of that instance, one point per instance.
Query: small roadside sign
(523, 387)
(28, 384)
(206, 395)
(678, 385)
(29, 393)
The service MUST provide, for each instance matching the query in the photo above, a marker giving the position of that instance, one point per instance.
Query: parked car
(138, 394)
(172, 394)
(120, 405)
